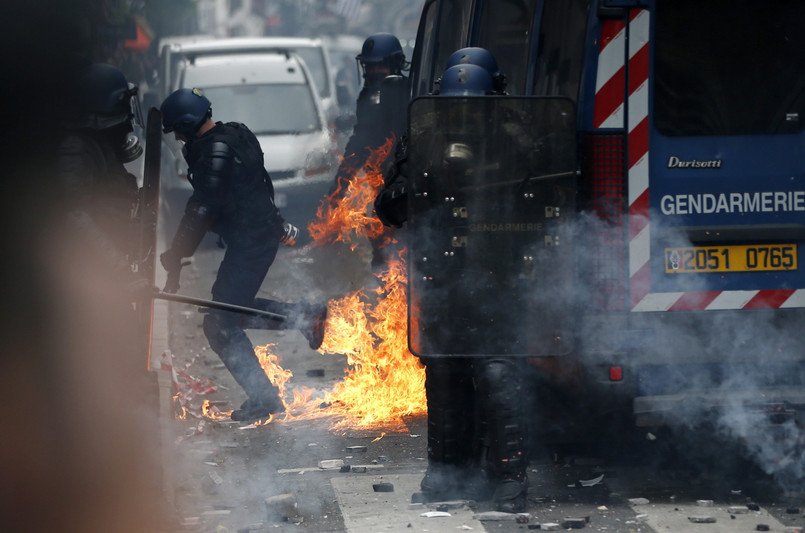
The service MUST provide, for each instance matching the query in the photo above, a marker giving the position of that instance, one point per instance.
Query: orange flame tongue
(345, 216)
(385, 381)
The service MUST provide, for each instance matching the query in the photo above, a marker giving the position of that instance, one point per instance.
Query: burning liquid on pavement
(383, 380)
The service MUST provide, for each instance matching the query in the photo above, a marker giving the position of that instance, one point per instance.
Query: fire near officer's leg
(449, 389)
(500, 391)
(239, 278)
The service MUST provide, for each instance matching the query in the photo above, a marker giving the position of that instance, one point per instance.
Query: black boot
(510, 495)
(255, 409)
(315, 321)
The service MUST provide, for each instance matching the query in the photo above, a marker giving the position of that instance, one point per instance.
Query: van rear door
(720, 221)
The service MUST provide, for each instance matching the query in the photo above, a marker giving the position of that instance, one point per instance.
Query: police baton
(201, 302)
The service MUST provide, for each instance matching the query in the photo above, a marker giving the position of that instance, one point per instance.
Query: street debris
(497, 516)
(762, 527)
(331, 464)
(704, 503)
(383, 487)
(549, 526)
(282, 507)
(591, 482)
(575, 523)
(212, 482)
(435, 514)
(702, 519)
(451, 504)
(738, 509)
(315, 373)
(638, 501)
(355, 449)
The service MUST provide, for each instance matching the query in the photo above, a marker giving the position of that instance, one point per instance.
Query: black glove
(289, 234)
(391, 205)
(172, 263)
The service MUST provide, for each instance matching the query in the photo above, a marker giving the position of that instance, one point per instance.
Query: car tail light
(605, 195)
(615, 373)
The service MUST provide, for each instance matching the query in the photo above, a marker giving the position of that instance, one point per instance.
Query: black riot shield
(147, 213)
(490, 213)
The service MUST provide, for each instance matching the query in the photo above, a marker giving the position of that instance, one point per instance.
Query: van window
(505, 30)
(729, 67)
(314, 59)
(445, 32)
(561, 48)
(266, 109)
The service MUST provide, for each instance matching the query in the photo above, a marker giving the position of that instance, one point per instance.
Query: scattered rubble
(497, 516)
(331, 464)
(282, 507)
(575, 523)
(702, 519)
(738, 509)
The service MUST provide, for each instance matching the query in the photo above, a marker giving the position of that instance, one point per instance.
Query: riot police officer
(98, 192)
(476, 419)
(233, 196)
(380, 111)
(391, 202)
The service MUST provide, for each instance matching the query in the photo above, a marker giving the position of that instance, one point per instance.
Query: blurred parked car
(275, 96)
(179, 52)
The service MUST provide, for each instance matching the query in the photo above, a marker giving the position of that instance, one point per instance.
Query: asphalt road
(220, 474)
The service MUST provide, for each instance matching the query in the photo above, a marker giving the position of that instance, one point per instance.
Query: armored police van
(631, 215)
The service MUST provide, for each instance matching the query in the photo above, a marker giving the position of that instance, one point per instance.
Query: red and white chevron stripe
(611, 86)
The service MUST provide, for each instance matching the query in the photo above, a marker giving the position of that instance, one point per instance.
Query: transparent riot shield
(490, 214)
(147, 212)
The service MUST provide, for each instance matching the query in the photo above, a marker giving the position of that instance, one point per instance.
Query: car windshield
(314, 59)
(266, 109)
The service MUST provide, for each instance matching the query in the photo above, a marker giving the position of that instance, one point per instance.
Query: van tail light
(604, 189)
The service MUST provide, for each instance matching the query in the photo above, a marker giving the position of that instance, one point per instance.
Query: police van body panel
(689, 227)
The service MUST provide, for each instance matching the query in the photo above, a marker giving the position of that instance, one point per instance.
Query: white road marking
(366, 511)
(676, 517)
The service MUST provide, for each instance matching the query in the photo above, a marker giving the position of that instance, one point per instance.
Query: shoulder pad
(221, 149)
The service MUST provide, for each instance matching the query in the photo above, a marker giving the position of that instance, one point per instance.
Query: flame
(384, 381)
(346, 215)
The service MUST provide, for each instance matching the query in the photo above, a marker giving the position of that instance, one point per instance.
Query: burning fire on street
(383, 380)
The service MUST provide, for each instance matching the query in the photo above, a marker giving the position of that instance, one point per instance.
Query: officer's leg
(307, 317)
(500, 389)
(239, 278)
(449, 389)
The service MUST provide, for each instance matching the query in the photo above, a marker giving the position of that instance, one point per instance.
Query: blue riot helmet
(381, 55)
(465, 121)
(103, 100)
(104, 97)
(466, 80)
(482, 57)
(184, 111)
